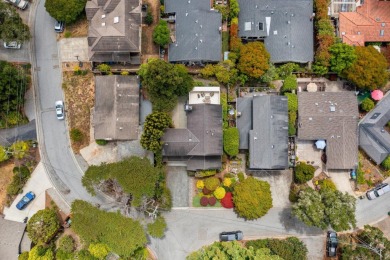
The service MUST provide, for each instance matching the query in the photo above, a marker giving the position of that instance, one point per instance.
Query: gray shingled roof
(263, 127)
(116, 115)
(198, 36)
(11, 233)
(373, 139)
(201, 142)
(114, 30)
(332, 116)
(287, 28)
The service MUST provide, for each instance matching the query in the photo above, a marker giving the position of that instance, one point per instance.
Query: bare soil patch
(372, 173)
(149, 48)
(5, 179)
(79, 100)
(77, 29)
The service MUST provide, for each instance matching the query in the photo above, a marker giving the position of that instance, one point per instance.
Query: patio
(208, 95)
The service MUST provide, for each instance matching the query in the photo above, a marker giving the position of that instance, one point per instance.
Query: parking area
(179, 116)
(38, 183)
(342, 180)
(73, 49)
(178, 183)
(15, 55)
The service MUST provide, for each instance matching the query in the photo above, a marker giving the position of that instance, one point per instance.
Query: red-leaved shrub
(204, 201)
(205, 191)
(212, 201)
(227, 201)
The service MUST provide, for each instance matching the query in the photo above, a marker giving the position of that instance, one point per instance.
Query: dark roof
(373, 139)
(197, 32)
(263, 127)
(114, 30)
(201, 141)
(332, 116)
(11, 233)
(116, 115)
(287, 27)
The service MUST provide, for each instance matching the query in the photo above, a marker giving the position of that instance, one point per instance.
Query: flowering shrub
(200, 184)
(211, 183)
(206, 191)
(227, 201)
(219, 193)
(227, 182)
(212, 201)
(204, 201)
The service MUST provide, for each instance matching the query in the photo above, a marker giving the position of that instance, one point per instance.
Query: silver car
(60, 110)
(12, 45)
(378, 191)
(22, 4)
(231, 236)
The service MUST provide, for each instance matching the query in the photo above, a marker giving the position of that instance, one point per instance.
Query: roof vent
(103, 24)
(310, 118)
(196, 21)
(120, 128)
(116, 19)
(254, 138)
(332, 108)
(383, 24)
(342, 33)
(103, 16)
(272, 146)
(186, 14)
(316, 104)
(275, 32)
(288, 22)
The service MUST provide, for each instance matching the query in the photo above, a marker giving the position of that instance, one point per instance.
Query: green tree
(270, 75)
(157, 228)
(23, 256)
(231, 141)
(303, 172)
(231, 250)
(289, 84)
(286, 70)
(369, 69)
(165, 82)
(254, 59)
(252, 198)
(154, 127)
(161, 33)
(3, 154)
(12, 27)
(84, 255)
(135, 175)
(65, 10)
(99, 250)
(342, 57)
(386, 163)
(292, 101)
(67, 244)
(310, 209)
(367, 104)
(40, 252)
(327, 184)
(234, 9)
(42, 226)
(19, 149)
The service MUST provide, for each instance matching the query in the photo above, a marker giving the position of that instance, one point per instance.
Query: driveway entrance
(178, 183)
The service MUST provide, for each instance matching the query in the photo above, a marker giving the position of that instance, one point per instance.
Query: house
(116, 113)
(370, 23)
(114, 32)
(285, 26)
(333, 117)
(373, 138)
(196, 36)
(199, 145)
(13, 239)
(262, 122)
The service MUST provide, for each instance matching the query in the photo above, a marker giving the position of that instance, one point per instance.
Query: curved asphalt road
(53, 137)
(189, 229)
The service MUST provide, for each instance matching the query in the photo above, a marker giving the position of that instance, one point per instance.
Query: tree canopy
(42, 226)
(254, 59)
(231, 141)
(321, 209)
(157, 228)
(121, 234)
(164, 83)
(367, 104)
(252, 198)
(12, 27)
(135, 175)
(369, 69)
(342, 57)
(154, 127)
(290, 83)
(65, 10)
(161, 33)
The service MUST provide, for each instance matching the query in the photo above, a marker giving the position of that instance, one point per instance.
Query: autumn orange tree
(369, 69)
(254, 59)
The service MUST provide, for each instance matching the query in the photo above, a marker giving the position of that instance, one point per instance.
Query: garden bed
(368, 174)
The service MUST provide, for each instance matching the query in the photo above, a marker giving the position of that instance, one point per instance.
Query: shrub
(42, 226)
(241, 176)
(219, 193)
(23, 256)
(205, 173)
(367, 104)
(67, 34)
(13, 118)
(149, 17)
(205, 191)
(286, 70)
(386, 163)
(66, 244)
(124, 73)
(303, 172)
(200, 184)
(161, 33)
(101, 142)
(227, 201)
(231, 141)
(227, 182)
(76, 135)
(20, 177)
(211, 183)
(104, 68)
(19, 149)
(157, 228)
(3, 154)
(327, 184)
(292, 100)
(204, 201)
(99, 250)
(294, 191)
(291, 129)
(289, 84)
(212, 201)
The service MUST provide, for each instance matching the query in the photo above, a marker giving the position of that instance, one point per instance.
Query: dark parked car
(331, 244)
(30, 196)
(231, 236)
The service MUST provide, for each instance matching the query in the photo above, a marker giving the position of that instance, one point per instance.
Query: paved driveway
(72, 48)
(178, 183)
(15, 55)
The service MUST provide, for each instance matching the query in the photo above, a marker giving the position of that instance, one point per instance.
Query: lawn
(225, 41)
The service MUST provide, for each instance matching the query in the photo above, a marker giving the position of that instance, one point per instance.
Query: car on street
(30, 196)
(378, 191)
(231, 236)
(12, 45)
(331, 244)
(22, 4)
(60, 110)
(59, 26)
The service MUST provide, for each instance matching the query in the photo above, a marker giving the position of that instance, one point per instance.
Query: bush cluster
(157, 228)
(76, 135)
(20, 177)
(231, 141)
(211, 183)
(303, 172)
(205, 173)
(367, 104)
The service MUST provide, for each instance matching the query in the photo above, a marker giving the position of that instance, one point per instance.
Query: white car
(12, 45)
(378, 191)
(22, 4)
(60, 109)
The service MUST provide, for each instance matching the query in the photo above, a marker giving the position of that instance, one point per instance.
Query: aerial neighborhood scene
(194, 129)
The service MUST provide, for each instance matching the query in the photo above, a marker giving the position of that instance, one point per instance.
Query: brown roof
(114, 30)
(332, 116)
(366, 24)
(116, 115)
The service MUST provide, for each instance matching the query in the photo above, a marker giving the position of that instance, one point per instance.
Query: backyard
(149, 48)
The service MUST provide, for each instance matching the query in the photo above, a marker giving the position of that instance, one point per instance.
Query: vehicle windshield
(25, 199)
